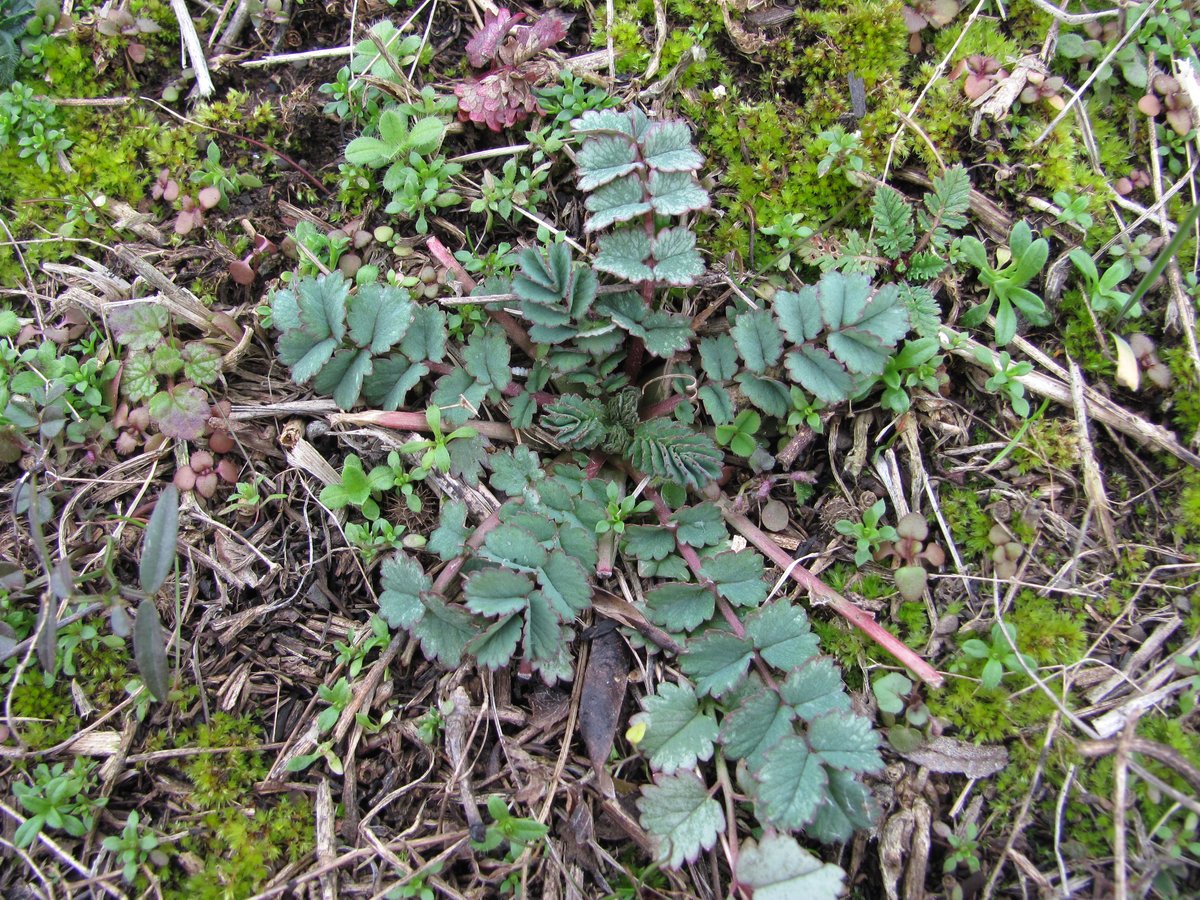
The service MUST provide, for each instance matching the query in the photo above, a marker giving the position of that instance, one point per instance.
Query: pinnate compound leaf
(604, 158)
(498, 592)
(815, 689)
(631, 123)
(771, 396)
(623, 253)
(379, 316)
(700, 525)
(680, 607)
(845, 742)
(791, 784)
(514, 547)
(667, 147)
(425, 338)
(342, 377)
(618, 201)
(448, 540)
(820, 374)
(443, 631)
(781, 634)
(678, 734)
(758, 339)
(403, 583)
(778, 868)
(681, 817)
(159, 541)
(758, 722)
(543, 638)
(495, 646)
(717, 661)
(651, 542)
(181, 413)
(848, 806)
(391, 380)
(565, 584)
(514, 470)
(676, 193)
(676, 260)
(718, 357)
(738, 576)
(486, 358)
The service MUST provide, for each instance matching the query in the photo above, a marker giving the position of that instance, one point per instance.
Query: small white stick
(195, 52)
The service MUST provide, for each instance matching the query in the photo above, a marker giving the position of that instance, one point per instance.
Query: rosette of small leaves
(418, 178)
(165, 372)
(1006, 282)
(662, 448)
(375, 342)
(638, 172)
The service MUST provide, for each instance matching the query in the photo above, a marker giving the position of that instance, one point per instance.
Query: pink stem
(415, 421)
(516, 333)
(820, 592)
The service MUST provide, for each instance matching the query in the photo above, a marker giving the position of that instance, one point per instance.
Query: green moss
(969, 523)
(1183, 404)
(1048, 443)
(1051, 635)
(828, 44)
(239, 836)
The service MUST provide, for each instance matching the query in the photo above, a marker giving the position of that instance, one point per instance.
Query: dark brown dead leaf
(603, 694)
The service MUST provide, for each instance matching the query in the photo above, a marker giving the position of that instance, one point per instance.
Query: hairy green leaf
(758, 339)
(667, 147)
(758, 722)
(778, 868)
(781, 633)
(497, 592)
(700, 525)
(680, 607)
(718, 357)
(845, 742)
(448, 540)
(604, 158)
(648, 542)
(678, 734)
(791, 784)
(673, 452)
(716, 660)
(738, 576)
(680, 817)
(159, 541)
(618, 201)
(815, 689)
(403, 583)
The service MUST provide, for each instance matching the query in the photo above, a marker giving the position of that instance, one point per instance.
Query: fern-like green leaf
(575, 421)
(893, 222)
(672, 452)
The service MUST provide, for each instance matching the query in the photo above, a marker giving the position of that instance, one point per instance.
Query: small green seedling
(1074, 210)
(868, 535)
(505, 827)
(355, 656)
(358, 487)
(895, 697)
(1004, 377)
(1102, 290)
(620, 509)
(134, 847)
(56, 799)
(964, 849)
(435, 454)
(998, 655)
(1015, 268)
(911, 551)
(739, 435)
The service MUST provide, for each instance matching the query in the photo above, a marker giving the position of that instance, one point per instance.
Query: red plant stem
(820, 592)
(447, 575)
(541, 398)
(515, 331)
(692, 558)
(662, 407)
(415, 421)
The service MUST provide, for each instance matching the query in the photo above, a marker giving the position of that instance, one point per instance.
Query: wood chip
(951, 757)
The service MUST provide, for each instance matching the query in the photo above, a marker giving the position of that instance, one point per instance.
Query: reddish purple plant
(191, 211)
(922, 14)
(504, 96)
(165, 187)
(983, 72)
(204, 472)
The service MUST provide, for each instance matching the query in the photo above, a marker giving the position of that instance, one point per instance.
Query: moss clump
(1048, 442)
(836, 39)
(969, 523)
(1051, 635)
(238, 837)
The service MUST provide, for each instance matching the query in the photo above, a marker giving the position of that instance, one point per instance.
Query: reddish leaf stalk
(515, 331)
(820, 592)
(447, 575)
(415, 421)
(692, 558)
